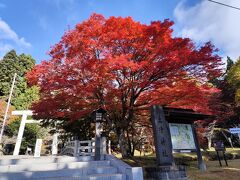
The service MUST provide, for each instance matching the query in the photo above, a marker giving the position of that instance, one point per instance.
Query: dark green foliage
(31, 132)
(23, 96)
(12, 63)
(230, 63)
(227, 104)
(24, 100)
(82, 129)
(233, 78)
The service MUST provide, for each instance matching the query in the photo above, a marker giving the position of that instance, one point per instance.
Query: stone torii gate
(25, 114)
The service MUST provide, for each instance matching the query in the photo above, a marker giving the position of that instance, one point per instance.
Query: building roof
(178, 115)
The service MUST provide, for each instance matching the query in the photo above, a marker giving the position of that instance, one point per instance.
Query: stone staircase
(58, 167)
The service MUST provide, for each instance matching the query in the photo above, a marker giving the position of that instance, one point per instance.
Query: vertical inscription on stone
(162, 137)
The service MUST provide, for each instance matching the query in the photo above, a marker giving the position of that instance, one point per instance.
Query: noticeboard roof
(178, 115)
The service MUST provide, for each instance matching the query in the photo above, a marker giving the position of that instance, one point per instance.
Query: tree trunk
(227, 139)
(209, 138)
(124, 148)
(132, 151)
(130, 144)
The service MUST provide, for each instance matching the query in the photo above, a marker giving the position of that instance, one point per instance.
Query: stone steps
(59, 167)
(59, 174)
(6, 160)
(52, 166)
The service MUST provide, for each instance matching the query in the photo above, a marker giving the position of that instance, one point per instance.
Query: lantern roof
(100, 110)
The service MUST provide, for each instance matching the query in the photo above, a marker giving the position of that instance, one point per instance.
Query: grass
(214, 171)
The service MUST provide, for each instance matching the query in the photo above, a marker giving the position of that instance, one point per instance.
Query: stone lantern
(98, 117)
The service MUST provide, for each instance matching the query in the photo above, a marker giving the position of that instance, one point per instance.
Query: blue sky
(32, 26)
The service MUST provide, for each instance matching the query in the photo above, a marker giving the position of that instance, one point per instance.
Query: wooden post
(201, 164)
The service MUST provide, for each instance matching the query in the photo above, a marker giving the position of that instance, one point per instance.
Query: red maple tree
(125, 67)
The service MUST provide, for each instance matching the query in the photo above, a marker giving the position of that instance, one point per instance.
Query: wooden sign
(219, 146)
(234, 130)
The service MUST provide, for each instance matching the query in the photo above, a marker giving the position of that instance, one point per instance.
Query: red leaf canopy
(124, 66)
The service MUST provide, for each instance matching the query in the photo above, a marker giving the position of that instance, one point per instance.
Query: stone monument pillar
(165, 168)
(76, 150)
(103, 145)
(98, 142)
(162, 137)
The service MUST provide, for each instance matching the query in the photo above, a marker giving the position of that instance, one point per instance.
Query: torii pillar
(24, 114)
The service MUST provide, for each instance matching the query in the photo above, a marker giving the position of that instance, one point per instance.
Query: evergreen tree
(12, 63)
(23, 96)
(233, 78)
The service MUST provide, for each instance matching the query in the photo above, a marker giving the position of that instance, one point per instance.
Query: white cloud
(8, 34)
(207, 21)
(9, 39)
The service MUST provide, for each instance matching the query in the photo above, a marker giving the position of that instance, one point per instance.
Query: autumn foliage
(123, 66)
(3, 106)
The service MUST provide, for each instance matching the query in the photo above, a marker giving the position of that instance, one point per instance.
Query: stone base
(165, 173)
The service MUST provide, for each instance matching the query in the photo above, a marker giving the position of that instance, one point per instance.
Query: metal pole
(219, 159)
(8, 104)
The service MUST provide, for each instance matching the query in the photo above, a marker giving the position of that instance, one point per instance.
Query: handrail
(79, 148)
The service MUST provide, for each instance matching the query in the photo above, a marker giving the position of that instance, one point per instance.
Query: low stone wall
(132, 173)
(165, 172)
